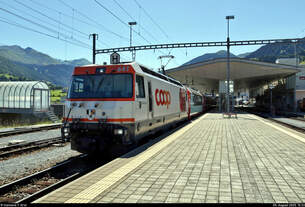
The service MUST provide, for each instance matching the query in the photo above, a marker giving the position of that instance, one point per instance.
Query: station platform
(210, 160)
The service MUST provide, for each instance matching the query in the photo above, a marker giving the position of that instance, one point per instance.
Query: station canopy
(22, 95)
(245, 73)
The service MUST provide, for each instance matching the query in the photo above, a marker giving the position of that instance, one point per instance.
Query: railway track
(289, 125)
(266, 116)
(30, 188)
(12, 150)
(28, 130)
(298, 118)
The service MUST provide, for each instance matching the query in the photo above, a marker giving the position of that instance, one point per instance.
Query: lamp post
(271, 86)
(132, 52)
(228, 65)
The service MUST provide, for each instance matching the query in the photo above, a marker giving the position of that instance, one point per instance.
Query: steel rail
(265, 116)
(29, 130)
(59, 168)
(28, 146)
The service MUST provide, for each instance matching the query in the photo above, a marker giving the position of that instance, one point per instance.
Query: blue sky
(179, 20)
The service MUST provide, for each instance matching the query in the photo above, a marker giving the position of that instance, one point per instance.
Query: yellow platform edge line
(99, 187)
(280, 129)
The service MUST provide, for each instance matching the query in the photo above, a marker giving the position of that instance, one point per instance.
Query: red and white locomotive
(119, 104)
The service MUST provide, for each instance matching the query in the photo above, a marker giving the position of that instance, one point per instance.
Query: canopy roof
(245, 73)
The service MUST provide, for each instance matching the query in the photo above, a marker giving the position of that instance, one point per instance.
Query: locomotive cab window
(78, 85)
(101, 86)
(141, 89)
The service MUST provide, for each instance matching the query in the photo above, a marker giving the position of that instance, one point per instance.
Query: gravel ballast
(30, 137)
(18, 167)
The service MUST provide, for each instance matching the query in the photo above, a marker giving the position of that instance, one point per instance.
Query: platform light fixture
(228, 65)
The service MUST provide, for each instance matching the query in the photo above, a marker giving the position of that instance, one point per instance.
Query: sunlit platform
(210, 160)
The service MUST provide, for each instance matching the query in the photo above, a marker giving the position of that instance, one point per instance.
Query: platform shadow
(155, 138)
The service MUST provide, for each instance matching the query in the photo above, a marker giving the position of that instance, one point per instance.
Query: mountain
(77, 62)
(13, 69)
(28, 64)
(271, 52)
(27, 56)
(59, 74)
(243, 55)
(209, 56)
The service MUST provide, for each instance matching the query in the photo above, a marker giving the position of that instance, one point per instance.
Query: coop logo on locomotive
(163, 97)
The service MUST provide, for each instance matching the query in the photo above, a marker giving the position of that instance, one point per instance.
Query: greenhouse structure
(24, 97)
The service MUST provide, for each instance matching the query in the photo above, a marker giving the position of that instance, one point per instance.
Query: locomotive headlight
(118, 132)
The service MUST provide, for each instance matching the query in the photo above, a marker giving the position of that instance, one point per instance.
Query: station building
(297, 80)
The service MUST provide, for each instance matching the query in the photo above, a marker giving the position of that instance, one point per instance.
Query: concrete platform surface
(212, 159)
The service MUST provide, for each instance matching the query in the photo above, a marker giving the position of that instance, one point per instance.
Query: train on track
(118, 105)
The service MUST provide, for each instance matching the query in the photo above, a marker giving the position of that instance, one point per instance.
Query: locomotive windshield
(101, 86)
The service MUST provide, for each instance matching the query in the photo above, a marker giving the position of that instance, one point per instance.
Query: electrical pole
(295, 80)
(133, 52)
(95, 37)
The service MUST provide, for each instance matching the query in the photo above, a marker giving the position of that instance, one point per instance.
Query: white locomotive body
(119, 104)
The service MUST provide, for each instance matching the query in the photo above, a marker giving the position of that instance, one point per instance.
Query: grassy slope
(56, 95)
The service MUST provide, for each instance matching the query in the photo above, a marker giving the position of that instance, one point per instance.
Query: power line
(135, 20)
(37, 18)
(40, 25)
(10, 22)
(62, 13)
(151, 19)
(51, 18)
(92, 20)
(147, 14)
(120, 20)
(54, 10)
(138, 24)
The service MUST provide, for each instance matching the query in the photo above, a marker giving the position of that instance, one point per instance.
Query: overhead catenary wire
(94, 21)
(85, 36)
(46, 22)
(109, 11)
(151, 19)
(62, 13)
(42, 26)
(40, 19)
(10, 22)
(127, 13)
(159, 27)
(130, 16)
(55, 20)
(120, 20)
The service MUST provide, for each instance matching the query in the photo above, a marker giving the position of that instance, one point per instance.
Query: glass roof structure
(33, 95)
